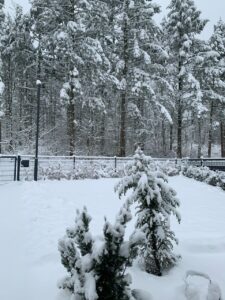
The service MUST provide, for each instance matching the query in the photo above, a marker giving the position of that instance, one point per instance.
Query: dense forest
(111, 78)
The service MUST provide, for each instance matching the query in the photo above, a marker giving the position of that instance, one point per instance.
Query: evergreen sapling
(156, 201)
(76, 256)
(98, 272)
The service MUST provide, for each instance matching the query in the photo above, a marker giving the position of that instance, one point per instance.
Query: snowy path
(33, 216)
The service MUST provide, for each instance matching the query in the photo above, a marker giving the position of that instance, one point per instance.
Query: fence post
(201, 162)
(115, 163)
(15, 165)
(18, 167)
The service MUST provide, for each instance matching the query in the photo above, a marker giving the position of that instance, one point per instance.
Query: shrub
(156, 201)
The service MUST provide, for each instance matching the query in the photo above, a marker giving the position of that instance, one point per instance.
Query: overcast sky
(211, 9)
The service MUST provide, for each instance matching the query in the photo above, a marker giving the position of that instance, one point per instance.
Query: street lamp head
(38, 82)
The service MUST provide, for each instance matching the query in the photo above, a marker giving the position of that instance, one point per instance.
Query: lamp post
(38, 83)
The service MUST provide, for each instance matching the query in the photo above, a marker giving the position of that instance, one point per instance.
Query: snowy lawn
(33, 216)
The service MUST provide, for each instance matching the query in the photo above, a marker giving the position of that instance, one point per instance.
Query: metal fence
(22, 167)
(216, 164)
(8, 167)
(68, 164)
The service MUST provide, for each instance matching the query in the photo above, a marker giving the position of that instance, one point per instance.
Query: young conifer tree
(76, 256)
(113, 283)
(98, 272)
(156, 201)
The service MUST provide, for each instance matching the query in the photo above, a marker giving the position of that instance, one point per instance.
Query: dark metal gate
(8, 168)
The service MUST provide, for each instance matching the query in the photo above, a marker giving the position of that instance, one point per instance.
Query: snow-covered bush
(96, 170)
(170, 168)
(204, 174)
(221, 182)
(213, 178)
(156, 201)
(52, 172)
(198, 173)
(92, 171)
(97, 268)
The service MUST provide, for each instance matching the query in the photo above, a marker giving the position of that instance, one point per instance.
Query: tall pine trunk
(8, 111)
(171, 137)
(122, 145)
(0, 136)
(71, 118)
(210, 130)
(71, 105)
(179, 130)
(71, 125)
(179, 113)
(102, 136)
(199, 138)
(163, 137)
(222, 132)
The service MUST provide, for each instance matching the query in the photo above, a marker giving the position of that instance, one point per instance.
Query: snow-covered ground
(33, 216)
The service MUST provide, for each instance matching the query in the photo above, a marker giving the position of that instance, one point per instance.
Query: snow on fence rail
(21, 167)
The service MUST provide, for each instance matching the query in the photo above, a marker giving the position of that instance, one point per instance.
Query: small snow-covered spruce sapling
(76, 256)
(113, 283)
(98, 272)
(156, 201)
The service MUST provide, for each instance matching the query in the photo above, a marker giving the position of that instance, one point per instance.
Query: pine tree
(217, 43)
(17, 59)
(98, 273)
(2, 16)
(76, 245)
(182, 25)
(139, 68)
(79, 49)
(110, 267)
(156, 201)
(81, 232)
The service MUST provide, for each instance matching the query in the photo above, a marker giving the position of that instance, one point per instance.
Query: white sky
(211, 9)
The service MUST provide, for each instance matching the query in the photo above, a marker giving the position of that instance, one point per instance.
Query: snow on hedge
(204, 174)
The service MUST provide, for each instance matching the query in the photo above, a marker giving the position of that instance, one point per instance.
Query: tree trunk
(210, 131)
(71, 128)
(222, 127)
(71, 105)
(179, 131)
(0, 136)
(157, 270)
(163, 138)
(171, 137)
(179, 114)
(199, 139)
(8, 111)
(122, 145)
(71, 121)
(102, 136)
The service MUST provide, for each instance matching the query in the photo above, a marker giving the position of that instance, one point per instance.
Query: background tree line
(111, 79)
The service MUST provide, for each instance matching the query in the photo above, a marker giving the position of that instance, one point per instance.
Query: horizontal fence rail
(21, 167)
